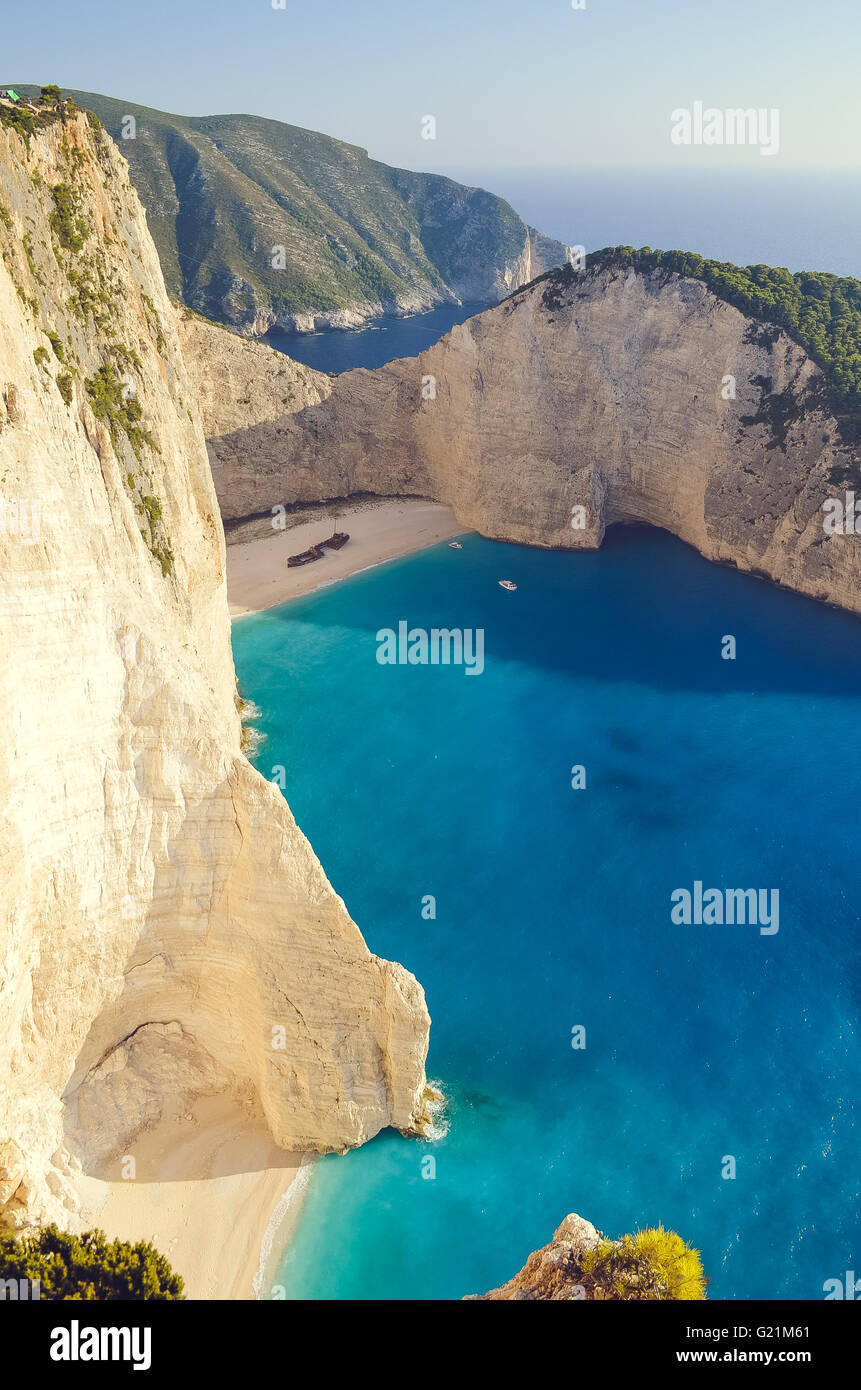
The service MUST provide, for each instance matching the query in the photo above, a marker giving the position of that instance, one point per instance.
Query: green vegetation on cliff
(113, 403)
(68, 226)
(51, 108)
(88, 1267)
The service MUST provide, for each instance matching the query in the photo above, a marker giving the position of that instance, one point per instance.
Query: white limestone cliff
(163, 920)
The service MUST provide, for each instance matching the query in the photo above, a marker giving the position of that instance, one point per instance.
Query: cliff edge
(166, 931)
(580, 1265)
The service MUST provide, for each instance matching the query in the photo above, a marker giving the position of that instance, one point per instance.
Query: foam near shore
(257, 573)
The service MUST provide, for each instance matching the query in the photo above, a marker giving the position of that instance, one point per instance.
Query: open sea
(702, 1043)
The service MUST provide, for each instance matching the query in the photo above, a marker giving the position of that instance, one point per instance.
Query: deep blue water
(342, 350)
(553, 907)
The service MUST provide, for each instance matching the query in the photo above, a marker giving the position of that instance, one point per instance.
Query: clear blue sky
(510, 82)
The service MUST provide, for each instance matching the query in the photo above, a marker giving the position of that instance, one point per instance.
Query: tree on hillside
(820, 311)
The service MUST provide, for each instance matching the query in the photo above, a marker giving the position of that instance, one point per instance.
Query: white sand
(257, 573)
(206, 1190)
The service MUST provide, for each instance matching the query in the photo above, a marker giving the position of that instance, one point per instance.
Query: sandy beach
(257, 573)
(213, 1193)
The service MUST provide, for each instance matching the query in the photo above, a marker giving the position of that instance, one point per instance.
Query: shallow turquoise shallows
(553, 908)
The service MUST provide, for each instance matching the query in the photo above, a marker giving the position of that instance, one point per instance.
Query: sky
(508, 82)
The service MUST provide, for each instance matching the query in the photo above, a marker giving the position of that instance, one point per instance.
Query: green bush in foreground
(653, 1264)
(88, 1267)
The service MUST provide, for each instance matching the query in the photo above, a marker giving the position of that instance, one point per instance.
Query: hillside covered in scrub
(359, 238)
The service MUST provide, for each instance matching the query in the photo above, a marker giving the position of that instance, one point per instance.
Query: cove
(552, 908)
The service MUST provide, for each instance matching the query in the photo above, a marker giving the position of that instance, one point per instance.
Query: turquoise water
(553, 907)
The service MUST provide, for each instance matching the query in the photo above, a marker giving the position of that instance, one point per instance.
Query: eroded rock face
(165, 928)
(606, 390)
(553, 1272)
(239, 382)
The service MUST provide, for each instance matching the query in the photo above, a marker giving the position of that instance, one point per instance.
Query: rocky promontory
(263, 225)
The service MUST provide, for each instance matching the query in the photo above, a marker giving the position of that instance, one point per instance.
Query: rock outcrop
(165, 928)
(552, 1273)
(586, 399)
(580, 1265)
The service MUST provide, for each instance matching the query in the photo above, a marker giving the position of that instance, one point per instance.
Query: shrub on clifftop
(50, 95)
(653, 1264)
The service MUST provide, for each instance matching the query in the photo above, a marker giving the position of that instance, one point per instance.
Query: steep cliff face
(359, 239)
(165, 928)
(635, 397)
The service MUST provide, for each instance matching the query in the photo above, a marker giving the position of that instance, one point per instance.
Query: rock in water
(586, 399)
(553, 1272)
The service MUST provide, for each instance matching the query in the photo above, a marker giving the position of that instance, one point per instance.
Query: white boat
(455, 545)
(507, 584)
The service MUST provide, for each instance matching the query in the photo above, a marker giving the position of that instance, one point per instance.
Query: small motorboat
(455, 545)
(507, 584)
